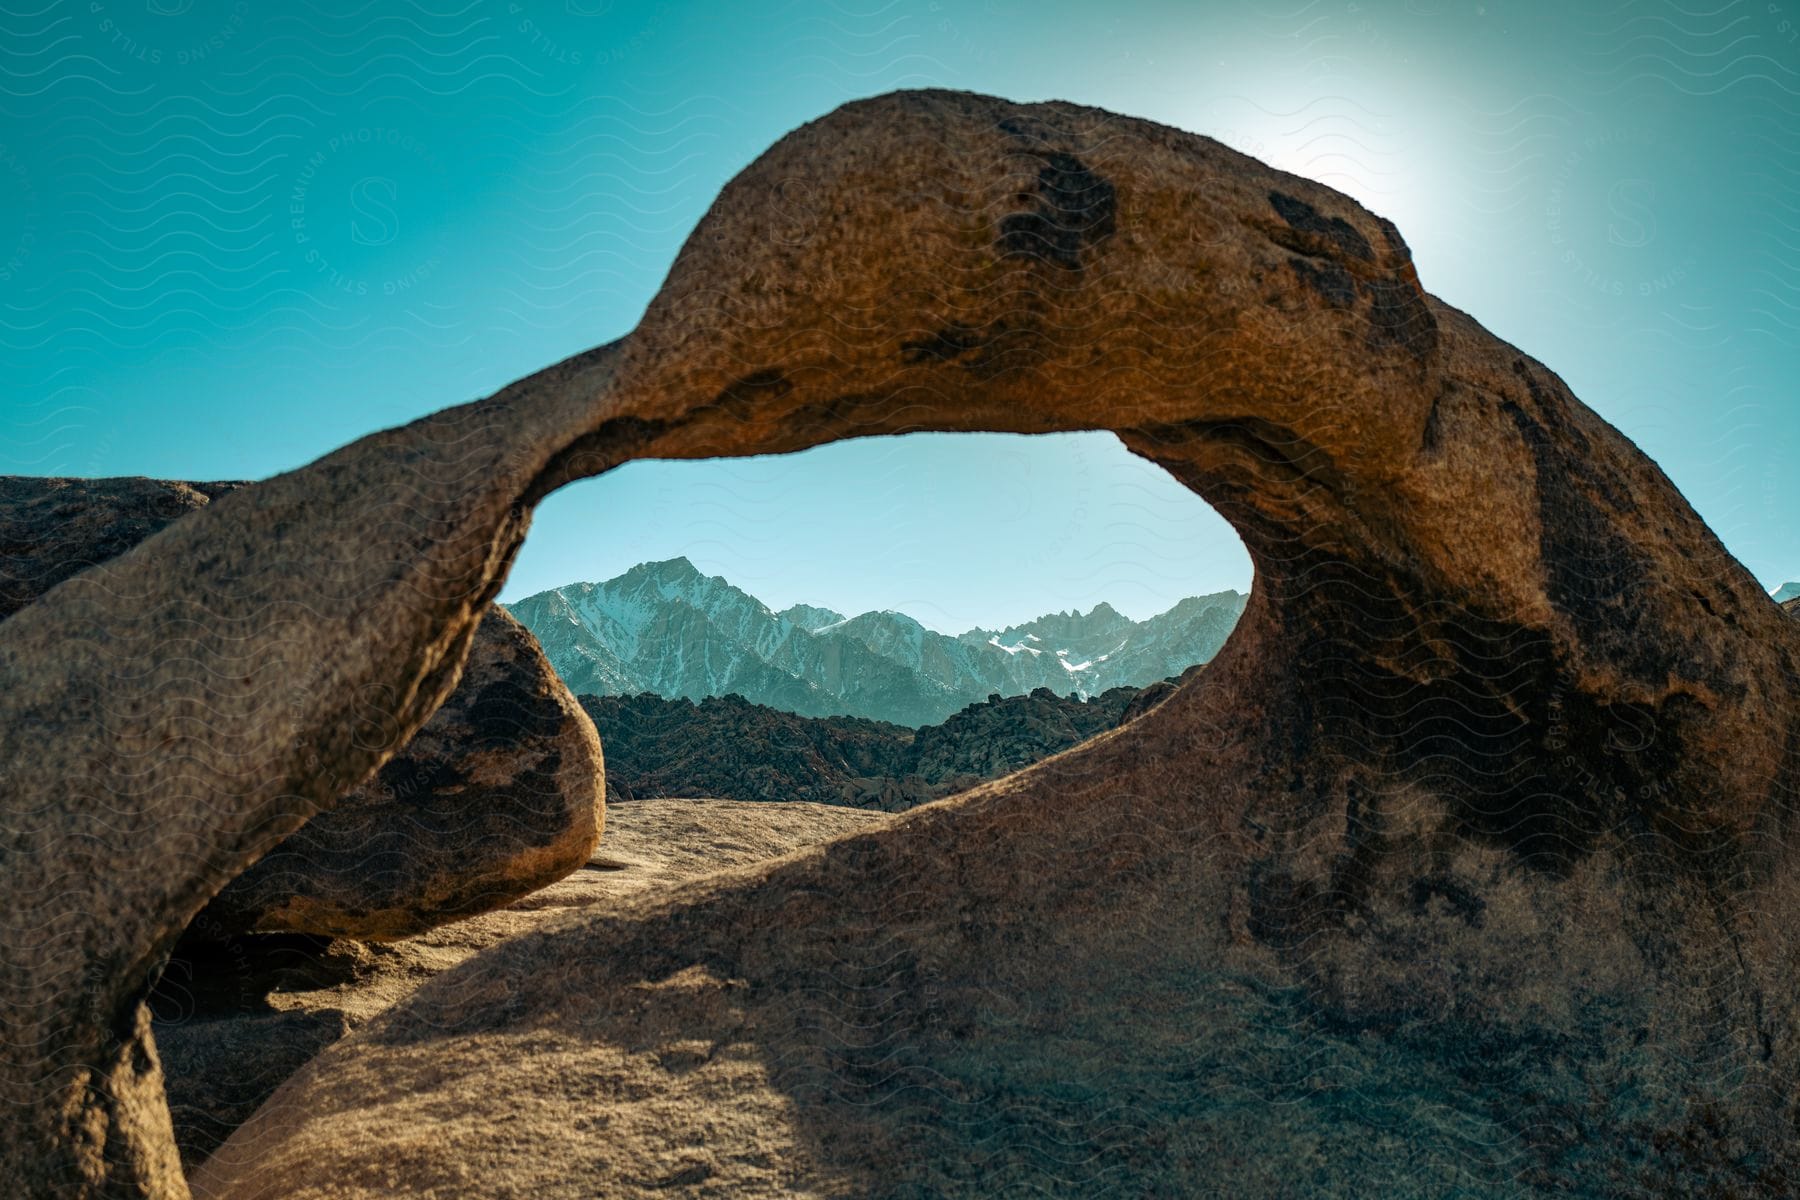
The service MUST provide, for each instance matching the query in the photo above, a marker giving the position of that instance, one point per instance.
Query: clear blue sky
(234, 235)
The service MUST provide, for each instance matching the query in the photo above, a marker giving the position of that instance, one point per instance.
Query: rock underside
(1467, 866)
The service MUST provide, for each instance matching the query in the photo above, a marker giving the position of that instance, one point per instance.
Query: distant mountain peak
(1786, 592)
(811, 617)
(666, 628)
(679, 567)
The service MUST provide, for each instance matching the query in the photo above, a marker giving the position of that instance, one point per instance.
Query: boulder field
(1468, 866)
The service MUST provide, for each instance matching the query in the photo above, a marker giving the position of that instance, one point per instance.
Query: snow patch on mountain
(667, 628)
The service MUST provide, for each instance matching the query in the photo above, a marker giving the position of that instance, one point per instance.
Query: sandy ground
(235, 1023)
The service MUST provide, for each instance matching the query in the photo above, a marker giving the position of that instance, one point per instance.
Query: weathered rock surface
(52, 528)
(498, 795)
(170, 715)
(1468, 865)
(501, 793)
(235, 1018)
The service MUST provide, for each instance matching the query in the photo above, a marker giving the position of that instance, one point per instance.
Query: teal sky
(234, 235)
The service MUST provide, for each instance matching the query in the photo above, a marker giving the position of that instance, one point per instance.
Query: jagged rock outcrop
(667, 629)
(727, 747)
(1469, 862)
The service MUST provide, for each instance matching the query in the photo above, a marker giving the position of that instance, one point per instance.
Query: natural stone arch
(1471, 594)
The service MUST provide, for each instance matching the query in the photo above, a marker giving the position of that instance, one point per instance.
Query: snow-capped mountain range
(1786, 592)
(665, 628)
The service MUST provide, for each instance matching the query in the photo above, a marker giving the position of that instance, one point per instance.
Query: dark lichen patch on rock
(1462, 898)
(1600, 579)
(1339, 265)
(1070, 208)
(744, 394)
(499, 795)
(1328, 279)
(1334, 232)
(1398, 315)
(510, 710)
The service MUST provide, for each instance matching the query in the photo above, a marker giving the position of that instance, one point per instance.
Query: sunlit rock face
(1466, 865)
(499, 794)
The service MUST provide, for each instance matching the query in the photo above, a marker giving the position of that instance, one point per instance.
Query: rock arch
(1503, 727)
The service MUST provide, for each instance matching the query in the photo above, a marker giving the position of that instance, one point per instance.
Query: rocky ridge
(727, 747)
(667, 629)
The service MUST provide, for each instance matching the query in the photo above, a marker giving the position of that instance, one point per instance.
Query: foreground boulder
(1468, 865)
(497, 796)
(501, 793)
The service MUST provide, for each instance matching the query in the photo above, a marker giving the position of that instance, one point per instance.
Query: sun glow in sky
(237, 236)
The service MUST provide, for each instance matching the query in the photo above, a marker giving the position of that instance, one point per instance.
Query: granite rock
(1468, 863)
